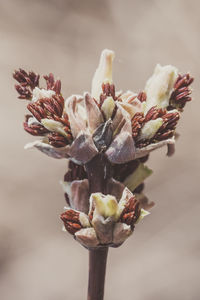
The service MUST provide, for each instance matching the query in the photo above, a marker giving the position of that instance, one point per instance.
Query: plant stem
(98, 170)
(97, 271)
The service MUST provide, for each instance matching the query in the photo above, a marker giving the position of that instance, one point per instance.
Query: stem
(98, 171)
(97, 271)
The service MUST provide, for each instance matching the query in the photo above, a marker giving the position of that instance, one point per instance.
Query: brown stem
(98, 171)
(97, 271)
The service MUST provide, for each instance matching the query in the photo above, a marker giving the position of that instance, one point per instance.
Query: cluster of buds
(106, 136)
(109, 222)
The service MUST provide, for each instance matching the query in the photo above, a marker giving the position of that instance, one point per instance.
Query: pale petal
(108, 107)
(121, 232)
(127, 95)
(83, 148)
(105, 205)
(54, 126)
(94, 115)
(103, 228)
(51, 151)
(87, 237)
(124, 199)
(122, 149)
(41, 93)
(149, 129)
(76, 117)
(132, 108)
(159, 86)
(103, 73)
(80, 195)
(140, 152)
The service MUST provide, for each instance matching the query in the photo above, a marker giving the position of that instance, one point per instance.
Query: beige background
(37, 260)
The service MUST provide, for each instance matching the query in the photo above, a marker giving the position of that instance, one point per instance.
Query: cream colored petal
(103, 73)
(108, 107)
(41, 93)
(54, 126)
(132, 108)
(149, 129)
(105, 205)
(128, 96)
(159, 86)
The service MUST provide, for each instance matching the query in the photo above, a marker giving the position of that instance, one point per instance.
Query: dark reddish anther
(52, 108)
(36, 111)
(167, 129)
(71, 221)
(183, 80)
(181, 92)
(34, 129)
(137, 123)
(131, 212)
(24, 92)
(154, 113)
(108, 90)
(164, 132)
(27, 82)
(57, 140)
(142, 96)
(26, 79)
(52, 84)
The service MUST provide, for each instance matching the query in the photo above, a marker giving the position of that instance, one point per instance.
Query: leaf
(137, 177)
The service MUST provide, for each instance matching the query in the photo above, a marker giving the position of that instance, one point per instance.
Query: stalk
(97, 272)
(98, 170)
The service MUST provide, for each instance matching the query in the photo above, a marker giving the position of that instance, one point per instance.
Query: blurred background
(37, 260)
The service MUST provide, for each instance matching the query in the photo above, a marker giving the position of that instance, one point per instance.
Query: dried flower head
(107, 137)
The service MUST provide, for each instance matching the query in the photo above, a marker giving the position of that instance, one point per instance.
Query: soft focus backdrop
(37, 260)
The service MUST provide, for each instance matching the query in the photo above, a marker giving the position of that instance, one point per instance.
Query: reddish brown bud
(142, 96)
(131, 212)
(181, 92)
(71, 221)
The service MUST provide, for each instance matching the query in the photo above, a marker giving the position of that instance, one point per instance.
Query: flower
(108, 222)
(123, 125)
(106, 136)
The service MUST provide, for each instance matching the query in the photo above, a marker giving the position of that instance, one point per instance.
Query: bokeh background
(37, 260)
